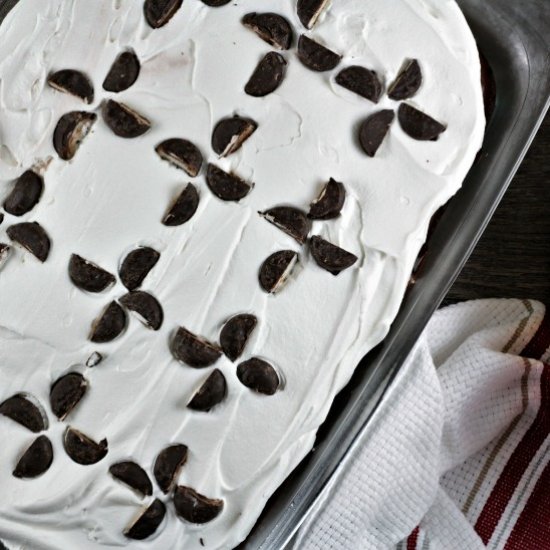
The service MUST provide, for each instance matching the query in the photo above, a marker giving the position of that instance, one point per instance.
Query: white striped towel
(457, 456)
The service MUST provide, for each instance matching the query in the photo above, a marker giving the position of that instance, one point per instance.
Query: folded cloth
(457, 455)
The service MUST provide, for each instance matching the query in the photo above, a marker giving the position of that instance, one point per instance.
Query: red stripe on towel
(532, 530)
(517, 464)
(540, 342)
(413, 539)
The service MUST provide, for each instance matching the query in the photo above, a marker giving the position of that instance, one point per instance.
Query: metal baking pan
(514, 37)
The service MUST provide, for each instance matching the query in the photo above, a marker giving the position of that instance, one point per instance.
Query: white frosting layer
(111, 198)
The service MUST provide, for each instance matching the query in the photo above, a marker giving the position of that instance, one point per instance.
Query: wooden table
(512, 260)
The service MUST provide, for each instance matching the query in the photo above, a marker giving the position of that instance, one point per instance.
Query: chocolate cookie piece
(227, 187)
(419, 125)
(183, 208)
(315, 56)
(25, 194)
(22, 410)
(123, 72)
(230, 133)
(137, 265)
(331, 257)
(134, 476)
(310, 10)
(216, 3)
(259, 376)
(5, 251)
(267, 76)
(70, 131)
(159, 12)
(88, 276)
(408, 81)
(330, 202)
(74, 83)
(148, 522)
(291, 220)
(36, 460)
(94, 360)
(211, 393)
(270, 27)
(123, 120)
(193, 350)
(109, 325)
(145, 306)
(182, 154)
(236, 333)
(276, 270)
(374, 130)
(83, 450)
(167, 466)
(32, 237)
(194, 507)
(66, 393)
(361, 81)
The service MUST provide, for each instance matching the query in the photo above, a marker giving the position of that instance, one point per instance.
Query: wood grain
(512, 259)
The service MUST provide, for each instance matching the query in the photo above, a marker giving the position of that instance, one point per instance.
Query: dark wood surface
(512, 259)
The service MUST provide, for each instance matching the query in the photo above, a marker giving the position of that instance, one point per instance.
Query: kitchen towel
(458, 454)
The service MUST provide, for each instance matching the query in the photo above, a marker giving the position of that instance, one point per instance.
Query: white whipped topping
(111, 197)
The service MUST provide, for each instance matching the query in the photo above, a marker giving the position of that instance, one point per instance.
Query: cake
(210, 215)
